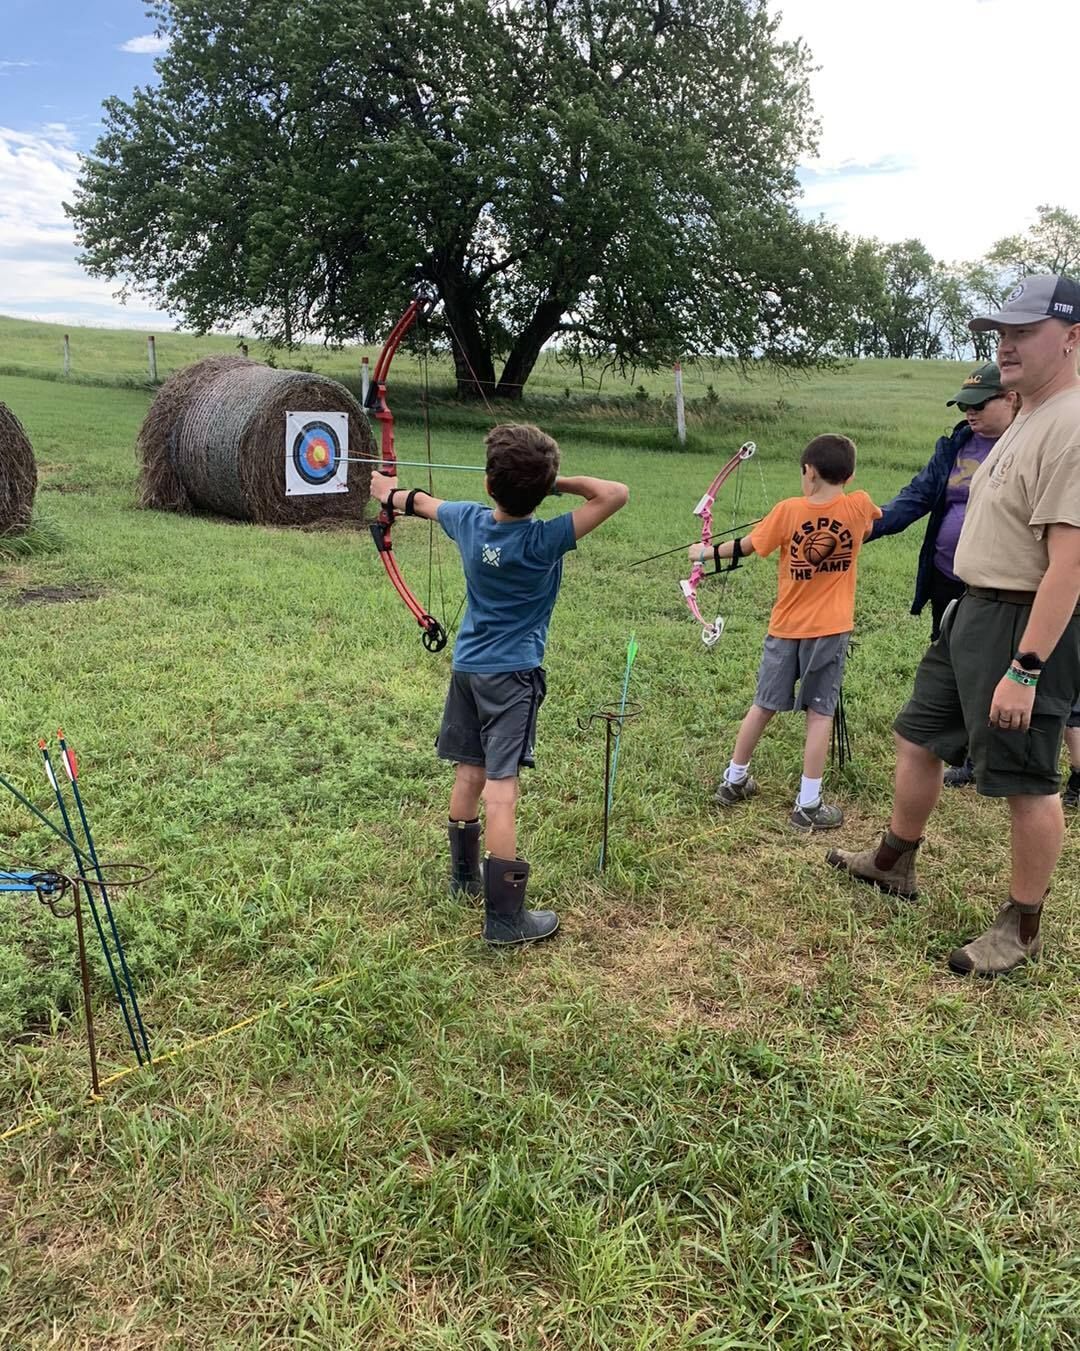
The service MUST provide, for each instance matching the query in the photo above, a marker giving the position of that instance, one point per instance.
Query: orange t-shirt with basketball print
(819, 545)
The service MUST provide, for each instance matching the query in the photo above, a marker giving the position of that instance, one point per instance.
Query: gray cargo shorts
(948, 713)
(816, 665)
(490, 720)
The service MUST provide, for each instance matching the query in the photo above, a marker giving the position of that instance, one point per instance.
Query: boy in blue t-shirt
(513, 569)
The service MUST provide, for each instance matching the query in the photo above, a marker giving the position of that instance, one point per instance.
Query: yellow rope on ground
(34, 1122)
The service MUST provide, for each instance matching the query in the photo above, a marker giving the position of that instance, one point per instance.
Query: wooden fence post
(680, 407)
(151, 354)
(365, 380)
(67, 355)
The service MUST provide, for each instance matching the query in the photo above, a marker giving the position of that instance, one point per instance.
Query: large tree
(614, 175)
(1052, 244)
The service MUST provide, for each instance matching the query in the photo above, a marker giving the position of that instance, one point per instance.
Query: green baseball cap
(980, 385)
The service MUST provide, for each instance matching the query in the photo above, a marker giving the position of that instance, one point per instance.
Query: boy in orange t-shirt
(819, 536)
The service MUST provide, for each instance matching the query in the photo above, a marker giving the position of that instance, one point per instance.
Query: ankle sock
(809, 792)
(891, 849)
(736, 774)
(1027, 921)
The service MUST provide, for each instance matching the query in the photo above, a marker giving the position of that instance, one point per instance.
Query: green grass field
(735, 1104)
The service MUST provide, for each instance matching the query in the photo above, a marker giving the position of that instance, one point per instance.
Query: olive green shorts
(949, 709)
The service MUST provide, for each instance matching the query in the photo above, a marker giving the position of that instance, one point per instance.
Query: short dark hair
(832, 455)
(522, 465)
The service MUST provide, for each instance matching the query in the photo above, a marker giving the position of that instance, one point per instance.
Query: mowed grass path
(734, 1104)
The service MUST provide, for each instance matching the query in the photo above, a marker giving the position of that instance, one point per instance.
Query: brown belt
(1007, 597)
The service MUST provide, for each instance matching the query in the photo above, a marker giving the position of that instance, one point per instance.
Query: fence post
(365, 380)
(67, 355)
(151, 355)
(680, 408)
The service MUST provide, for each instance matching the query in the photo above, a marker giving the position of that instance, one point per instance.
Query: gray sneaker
(731, 794)
(818, 816)
(959, 776)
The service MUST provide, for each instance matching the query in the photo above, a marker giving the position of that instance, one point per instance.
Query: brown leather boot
(899, 880)
(1001, 949)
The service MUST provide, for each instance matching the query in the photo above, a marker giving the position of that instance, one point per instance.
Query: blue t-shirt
(512, 573)
(513, 570)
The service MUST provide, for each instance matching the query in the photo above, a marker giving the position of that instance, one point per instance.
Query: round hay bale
(160, 487)
(214, 440)
(18, 474)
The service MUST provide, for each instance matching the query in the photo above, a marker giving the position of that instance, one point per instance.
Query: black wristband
(736, 553)
(410, 501)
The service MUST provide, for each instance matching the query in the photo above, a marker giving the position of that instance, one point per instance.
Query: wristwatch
(1028, 661)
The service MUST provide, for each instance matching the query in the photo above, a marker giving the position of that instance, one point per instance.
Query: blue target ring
(316, 453)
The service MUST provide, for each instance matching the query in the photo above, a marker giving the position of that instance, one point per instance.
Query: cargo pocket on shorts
(1031, 757)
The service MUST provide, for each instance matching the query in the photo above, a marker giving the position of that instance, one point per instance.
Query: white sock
(735, 773)
(809, 793)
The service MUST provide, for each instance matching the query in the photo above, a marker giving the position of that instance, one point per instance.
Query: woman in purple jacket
(940, 491)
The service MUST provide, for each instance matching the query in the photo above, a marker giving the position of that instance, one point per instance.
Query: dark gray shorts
(816, 665)
(490, 720)
(1074, 717)
(949, 709)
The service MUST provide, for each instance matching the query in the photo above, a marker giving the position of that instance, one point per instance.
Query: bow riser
(711, 633)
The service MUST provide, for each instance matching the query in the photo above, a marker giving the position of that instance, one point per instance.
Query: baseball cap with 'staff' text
(980, 386)
(1044, 296)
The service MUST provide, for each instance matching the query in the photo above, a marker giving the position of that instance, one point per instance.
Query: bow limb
(710, 632)
(434, 636)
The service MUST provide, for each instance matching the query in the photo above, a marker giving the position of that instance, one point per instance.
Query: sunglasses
(978, 407)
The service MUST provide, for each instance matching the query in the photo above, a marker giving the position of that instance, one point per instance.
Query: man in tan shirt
(1005, 671)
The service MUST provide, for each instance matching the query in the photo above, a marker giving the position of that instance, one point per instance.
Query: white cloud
(941, 119)
(149, 44)
(39, 276)
(16, 65)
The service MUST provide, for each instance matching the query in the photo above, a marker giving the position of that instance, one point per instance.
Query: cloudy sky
(942, 119)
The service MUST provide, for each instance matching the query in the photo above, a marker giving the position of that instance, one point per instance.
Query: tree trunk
(474, 369)
(526, 350)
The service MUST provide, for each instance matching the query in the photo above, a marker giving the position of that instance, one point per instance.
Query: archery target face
(316, 453)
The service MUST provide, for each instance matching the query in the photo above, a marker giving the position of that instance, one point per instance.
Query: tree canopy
(613, 175)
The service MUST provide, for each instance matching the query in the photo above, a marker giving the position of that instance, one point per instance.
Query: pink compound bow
(710, 633)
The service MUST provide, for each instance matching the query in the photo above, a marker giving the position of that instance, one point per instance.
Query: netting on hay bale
(214, 440)
(18, 474)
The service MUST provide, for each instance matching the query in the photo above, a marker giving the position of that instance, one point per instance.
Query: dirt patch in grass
(52, 595)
